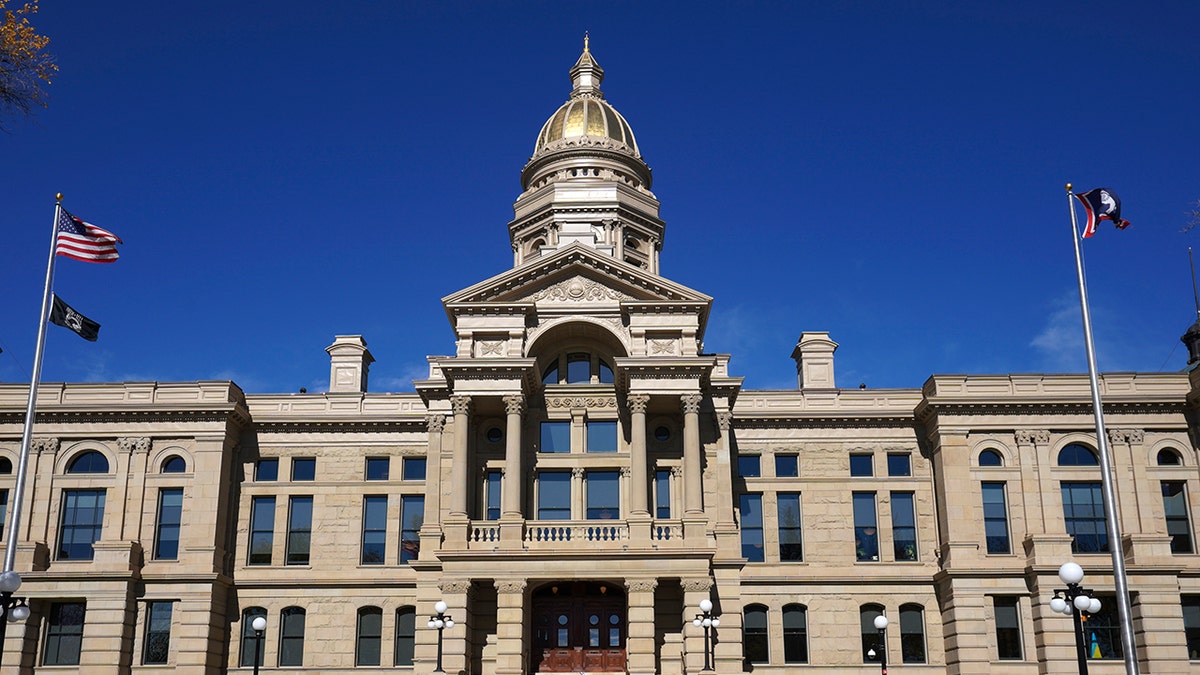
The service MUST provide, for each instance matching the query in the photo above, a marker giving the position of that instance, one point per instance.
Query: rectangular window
(749, 466)
(291, 637)
(266, 470)
(912, 634)
(412, 517)
(862, 465)
(1104, 631)
(662, 493)
(1191, 625)
(790, 546)
(795, 634)
(370, 637)
(904, 526)
(752, 528)
(64, 634)
(995, 518)
(377, 468)
(3, 512)
(262, 530)
(1176, 508)
(492, 494)
(866, 536)
(82, 521)
(899, 464)
(158, 632)
(299, 538)
(603, 495)
(1008, 627)
(406, 636)
(304, 469)
(602, 436)
(1083, 513)
(554, 495)
(556, 437)
(374, 534)
(166, 532)
(413, 468)
(787, 466)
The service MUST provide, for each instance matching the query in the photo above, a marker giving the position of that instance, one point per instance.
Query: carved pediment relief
(578, 288)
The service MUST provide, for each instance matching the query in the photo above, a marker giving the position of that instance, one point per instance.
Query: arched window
(795, 634)
(872, 645)
(755, 646)
(291, 637)
(174, 464)
(89, 462)
(550, 376)
(370, 631)
(606, 373)
(912, 633)
(6, 465)
(990, 458)
(406, 635)
(248, 642)
(1077, 455)
(579, 368)
(1166, 457)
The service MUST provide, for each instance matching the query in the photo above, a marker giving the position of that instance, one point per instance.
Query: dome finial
(585, 42)
(586, 74)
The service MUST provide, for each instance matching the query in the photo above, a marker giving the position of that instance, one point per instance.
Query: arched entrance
(578, 626)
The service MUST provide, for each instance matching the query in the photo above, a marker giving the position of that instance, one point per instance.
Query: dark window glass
(291, 637)
(1176, 508)
(3, 511)
(174, 464)
(492, 489)
(904, 526)
(64, 634)
(787, 466)
(82, 522)
(374, 536)
(551, 374)
(602, 436)
(795, 634)
(1103, 631)
(749, 466)
(299, 540)
(1083, 511)
(870, 634)
(412, 517)
(250, 645)
(1168, 457)
(912, 633)
(1191, 625)
(158, 633)
(861, 465)
(899, 464)
(377, 468)
(262, 530)
(89, 462)
(304, 469)
(662, 494)
(995, 518)
(406, 635)
(579, 368)
(662, 433)
(414, 468)
(866, 534)
(170, 515)
(266, 470)
(790, 545)
(370, 634)
(603, 495)
(5, 466)
(1077, 455)
(1008, 627)
(556, 437)
(494, 435)
(990, 458)
(606, 373)
(755, 645)
(752, 528)
(554, 495)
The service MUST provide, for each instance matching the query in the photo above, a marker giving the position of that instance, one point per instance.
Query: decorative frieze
(577, 289)
(692, 585)
(1129, 436)
(511, 585)
(1032, 436)
(581, 402)
(455, 586)
(130, 445)
(44, 445)
(642, 585)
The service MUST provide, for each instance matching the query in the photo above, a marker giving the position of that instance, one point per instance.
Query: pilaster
(640, 643)
(694, 590)
(431, 528)
(1027, 441)
(510, 626)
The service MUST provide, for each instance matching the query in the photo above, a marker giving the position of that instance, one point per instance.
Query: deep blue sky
(892, 173)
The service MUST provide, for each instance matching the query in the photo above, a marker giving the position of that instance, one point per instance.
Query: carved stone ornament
(625, 472)
(691, 403)
(511, 585)
(677, 471)
(1129, 436)
(44, 445)
(693, 585)
(1032, 436)
(461, 404)
(455, 586)
(581, 402)
(642, 585)
(724, 420)
(637, 402)
(577, 472)
(435, 423)
(514, 404)
(577, 289)
(134, 444)
(492, 347)
(662, 346)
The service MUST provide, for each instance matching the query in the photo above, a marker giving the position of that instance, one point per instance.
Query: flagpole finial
(1069, 186)
(58, 196)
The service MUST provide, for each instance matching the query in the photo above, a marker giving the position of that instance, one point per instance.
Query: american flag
(84, 241)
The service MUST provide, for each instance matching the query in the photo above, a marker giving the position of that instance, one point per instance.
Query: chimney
(814, 361)
(349, 361)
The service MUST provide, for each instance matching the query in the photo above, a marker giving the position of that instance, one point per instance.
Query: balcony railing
(559, 535)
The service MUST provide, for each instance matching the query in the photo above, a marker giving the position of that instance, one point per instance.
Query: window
(494, 435)
(603, 495)
(291, 637)
(266, 470)
(1077, 455)
(262, 530)
(1083, 511)
(554, 495)
(795, 634)
(5, 466)
(299, 538)
(866, 536)
(157, 649)
(787, 466)
(749, 466)
(606, 373)
(870, 634)
(412, 517)
(550, 376)
(492, 495)
(556, 437)
(377, 468)
(89, 462)
(406, 635)
(1168, 457)
(912, 633)
(413, 468)
(579, 368)
(602, 436)
(861, 465)
(995, 518)
(752, 528)
(3, 511)
(1008, 626)
(990, 458)
(1103, 630)
(662, 493)
(790, 546)
(904, 526)
(1176, 508)
(662, 434)
(1191, 625)
(899, 464)
(374, 535)
(250, 646)
(304, 469)
(174, 464)
(64, 634)
(755, 645)
(170, 515)
(82, 521)
(370, 633)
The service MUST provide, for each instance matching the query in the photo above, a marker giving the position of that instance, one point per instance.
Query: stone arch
(69, 453)
(157, 457)
(1006, 453)
(556, 335)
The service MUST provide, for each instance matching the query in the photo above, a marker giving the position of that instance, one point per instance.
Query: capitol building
(580, 474)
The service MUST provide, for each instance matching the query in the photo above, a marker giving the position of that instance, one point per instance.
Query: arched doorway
(578, 626)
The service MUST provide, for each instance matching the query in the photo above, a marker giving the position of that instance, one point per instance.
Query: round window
(614, 619)
(562, 619)
(494, 435)
(593, 619)
(662, 434)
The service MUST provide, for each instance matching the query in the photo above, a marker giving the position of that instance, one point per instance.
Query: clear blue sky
(282, 172)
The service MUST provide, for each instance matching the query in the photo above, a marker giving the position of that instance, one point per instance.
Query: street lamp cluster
(440, 621)
(1073, 601)
(11, 609)
(708, 621)
(881, 623)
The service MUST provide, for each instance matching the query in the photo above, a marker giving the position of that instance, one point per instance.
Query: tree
(1193, 218)
(25, 66)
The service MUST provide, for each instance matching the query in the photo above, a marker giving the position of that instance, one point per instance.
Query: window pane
(556, 437)
(64, 634)
(749, 466)
(370, 633)
(304, 469)
(1083, 512)
(249, 644)
(175, 464)
(374, 542)
(754, 635)
(795, 634)
(606, 373)
(89, 462)
(602, 436)
(81, 525)
(291, 637)
(752, 528)
(787, 466)
(299, 530)
(1191, 625)
(1104, 631)
(414, 468)
(158, 633)
(912, 634)
(412, 517)
(990, 458)
(861, 465)
(662, 494)
(3, 509)
(406, 633)
(492, 489)
(995, 518)
(603, 495)
(579, 368)
(554, 495)
(790, 546)
(904, 526)
(1077, 455)
(377, 468)
(866, 536)
(1008, 627)
(1176, 508)
(262, 530)
(170, 514)
(551, 374)
(870, 635)
(266, 470)
(899, 464)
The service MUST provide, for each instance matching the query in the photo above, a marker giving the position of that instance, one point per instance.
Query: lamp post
(1073, 601)
(709, 621)
(259, 624)
(881, 623)
(440, 621)
(14, 609)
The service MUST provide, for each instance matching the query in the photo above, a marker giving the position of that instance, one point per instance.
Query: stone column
(457, 594)
(510, 626)
(640, 643)
(514, 474)
(693, 502)
(1129, 469)
(1030, 488)
(131, 490)
(33, 540)
(694, 590)
(578, 506)
(638, 483)
(431, 528)
(458, 469)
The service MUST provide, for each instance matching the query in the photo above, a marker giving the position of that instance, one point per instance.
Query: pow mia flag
(66, 316)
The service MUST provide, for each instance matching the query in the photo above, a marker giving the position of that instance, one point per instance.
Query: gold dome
(587, 115)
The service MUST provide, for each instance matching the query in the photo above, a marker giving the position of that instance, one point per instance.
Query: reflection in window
(266, 470)
(377, 468)
(752, 528)
(1168, 457)
(166, 531)
(304, 469)
(369, 635)
(374, 534)
(904, 526)
(554, 495)
(174, 464)
(662, 494)
(1083, 513)
(1077, 455)
(89, 462)
(81, 525)
(790, 545)
(556, 437)
(579, 368)
(795, 634)
(861, 465)
(1176, 508)
(249, 644)
(990, 458)
(603, 495)
(606, 373)
(413, 468)
(262, 530)
(754, 635)
(899, 464)
(912, 633)
(299, 538)
(787, 466)
(550, 376)
(491, 495)
(870, 634)
(291, 637)
(158, 633)
(602, 436)
(866, 534)
(406, 635)
(1104, 631)
(749, 466)
(412, 517)
(995, 518)
(1191, 625)
(1008, 627)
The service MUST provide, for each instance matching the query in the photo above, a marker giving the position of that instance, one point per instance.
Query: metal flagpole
(1110, 497)
(18, 497)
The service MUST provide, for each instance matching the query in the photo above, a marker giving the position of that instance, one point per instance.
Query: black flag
(64, 315)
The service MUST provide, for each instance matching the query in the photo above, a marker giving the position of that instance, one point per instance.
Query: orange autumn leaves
(25, 66)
